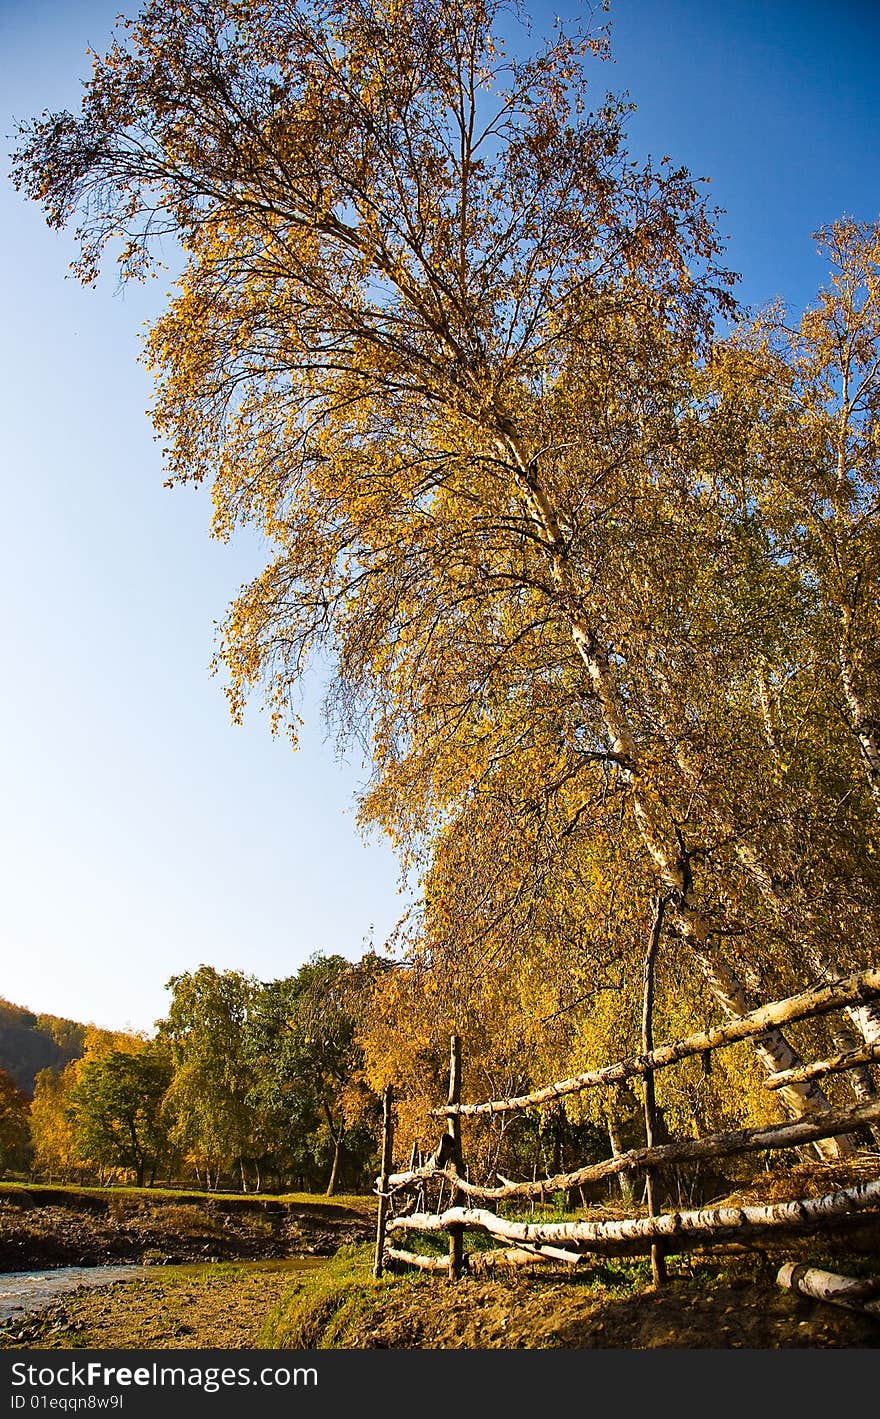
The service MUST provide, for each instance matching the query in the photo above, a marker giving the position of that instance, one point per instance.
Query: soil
(224, 1309)
(717, 1301)
(229, 1307)
(546, 1314)
(44, 1227)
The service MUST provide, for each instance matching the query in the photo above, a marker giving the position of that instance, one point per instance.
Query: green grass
(360, 1202)
(319, 1310)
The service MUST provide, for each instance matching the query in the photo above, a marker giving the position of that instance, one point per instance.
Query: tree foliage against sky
(600, 587)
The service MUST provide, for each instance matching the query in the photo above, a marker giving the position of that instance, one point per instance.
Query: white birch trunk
(863, 723)
(651, 815)
(847, 1291)
(680, 1230)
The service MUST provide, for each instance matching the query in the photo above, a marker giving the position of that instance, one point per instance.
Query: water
(23, 1291)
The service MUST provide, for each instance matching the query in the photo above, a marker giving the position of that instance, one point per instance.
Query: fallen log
(517, 1256)
(690, 1150)
(418, 1259)
(851, 1292)
(849, 1059)
(681, 1230)
(503, 1256)
(820, 1000)
(547, 1253)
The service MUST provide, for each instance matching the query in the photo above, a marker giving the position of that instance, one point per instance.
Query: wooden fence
(657, 1233)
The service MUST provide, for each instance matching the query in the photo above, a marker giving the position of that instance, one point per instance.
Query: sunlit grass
(360, 1202)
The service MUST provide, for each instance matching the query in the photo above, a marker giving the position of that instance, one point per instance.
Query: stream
(24, 1291)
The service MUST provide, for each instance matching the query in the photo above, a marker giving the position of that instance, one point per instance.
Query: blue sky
(142, 834)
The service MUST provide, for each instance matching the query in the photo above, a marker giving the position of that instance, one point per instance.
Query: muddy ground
(43, 1227)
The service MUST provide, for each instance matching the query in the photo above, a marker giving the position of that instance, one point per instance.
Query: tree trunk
(864, 725)
(866, 1014)
(334, 1171)
(854, 1294)
(660, 834)
(387, 1150)
(453, 1134)
(618, 1149)
(859, 1076)
(658, 1261)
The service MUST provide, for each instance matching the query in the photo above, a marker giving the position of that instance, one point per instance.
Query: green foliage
(116, 1109)
(207, 1100)
(309, 1088)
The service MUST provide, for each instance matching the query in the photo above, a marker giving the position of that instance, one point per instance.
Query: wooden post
(453, 1129)
(658, 1259)
(387, 1149)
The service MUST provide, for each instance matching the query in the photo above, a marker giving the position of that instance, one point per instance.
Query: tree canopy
(593, 578)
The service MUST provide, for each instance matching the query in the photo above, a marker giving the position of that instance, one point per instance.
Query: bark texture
(680, 1231)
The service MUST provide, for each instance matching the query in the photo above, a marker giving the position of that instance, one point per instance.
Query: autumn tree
(51, 1125)
(14, 1131)
(438, 338)
(798, 402)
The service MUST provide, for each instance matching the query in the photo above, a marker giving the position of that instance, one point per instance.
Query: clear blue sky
(141, 834)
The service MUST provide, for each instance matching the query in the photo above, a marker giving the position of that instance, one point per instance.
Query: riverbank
(336, 1304)
(43, 1227)
(723, 1299)
(221, 1306)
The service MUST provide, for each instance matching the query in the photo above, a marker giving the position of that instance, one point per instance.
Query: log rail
(522, 1243)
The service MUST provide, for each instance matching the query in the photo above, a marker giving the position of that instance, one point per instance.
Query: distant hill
(29, 1043)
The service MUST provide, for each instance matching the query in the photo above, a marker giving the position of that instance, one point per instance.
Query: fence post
(387, 1148)
(658, 1259)
(453, 1128)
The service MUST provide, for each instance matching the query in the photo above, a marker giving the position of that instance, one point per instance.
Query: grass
(360, 1202)
(321, 1308)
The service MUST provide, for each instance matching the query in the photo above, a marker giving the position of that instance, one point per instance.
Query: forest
(247, 1083)
(593, 552)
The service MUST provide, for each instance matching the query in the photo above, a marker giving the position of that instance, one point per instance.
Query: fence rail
(659, 1234)
(856, 989)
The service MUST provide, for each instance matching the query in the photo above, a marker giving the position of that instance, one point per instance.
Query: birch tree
(806, 398)
(435, 338)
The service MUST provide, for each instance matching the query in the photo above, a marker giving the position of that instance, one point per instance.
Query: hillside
(29, 1043)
